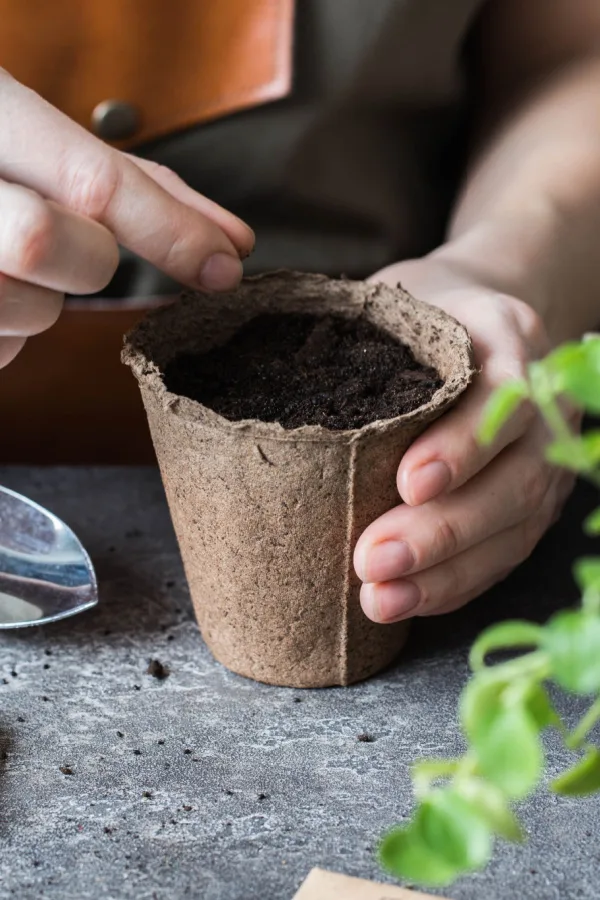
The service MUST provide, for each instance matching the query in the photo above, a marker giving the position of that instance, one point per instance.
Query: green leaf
(591, 443)
(565, 357)
(571, 455)
(448, 826)
(589, 720)
(481, 703)
(572, 641)
(587, 573)
(578, 454)
(583, 778)
(427, 770)
(591, 525)
(575, 371)
(500, 407)
(485, 699)
(505, 635)
(510, 752)
(539, 707)
(490, 804)
(405, 856)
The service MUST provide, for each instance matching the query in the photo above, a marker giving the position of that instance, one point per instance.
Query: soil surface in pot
(299, 369)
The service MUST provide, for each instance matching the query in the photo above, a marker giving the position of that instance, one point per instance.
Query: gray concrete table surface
(208, 785)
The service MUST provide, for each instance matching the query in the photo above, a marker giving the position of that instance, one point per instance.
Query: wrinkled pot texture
(267, 518)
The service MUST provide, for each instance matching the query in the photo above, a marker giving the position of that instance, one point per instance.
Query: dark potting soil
(299, 369)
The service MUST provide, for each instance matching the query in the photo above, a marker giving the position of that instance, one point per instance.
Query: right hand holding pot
(67, 200)
(470, 513)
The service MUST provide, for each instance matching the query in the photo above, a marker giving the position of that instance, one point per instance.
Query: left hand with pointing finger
(470, 513)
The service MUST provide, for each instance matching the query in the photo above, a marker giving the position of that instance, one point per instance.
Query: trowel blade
(45, 573)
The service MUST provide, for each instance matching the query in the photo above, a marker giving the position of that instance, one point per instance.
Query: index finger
(43, 149)
(240, 234)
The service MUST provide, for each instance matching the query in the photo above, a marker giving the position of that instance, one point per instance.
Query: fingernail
(221, 272)
(390, 601)
(427, 482)
(385, 561)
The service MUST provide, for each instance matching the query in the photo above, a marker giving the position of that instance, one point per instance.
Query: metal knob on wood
(115, 120)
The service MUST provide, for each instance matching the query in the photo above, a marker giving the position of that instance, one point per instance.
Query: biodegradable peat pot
(267, 518)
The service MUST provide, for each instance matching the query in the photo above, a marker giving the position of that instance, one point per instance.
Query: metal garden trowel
(45, 573)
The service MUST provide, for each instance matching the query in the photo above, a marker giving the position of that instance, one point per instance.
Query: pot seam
(348, 563)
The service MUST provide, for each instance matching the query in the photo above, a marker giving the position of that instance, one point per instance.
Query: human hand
(470, 513)
(67, 200)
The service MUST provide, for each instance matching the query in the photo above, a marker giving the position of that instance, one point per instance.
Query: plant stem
(579, 734)
(467, 767)
(591, 601)
(544, 398)
(555, 419)
(535, 665)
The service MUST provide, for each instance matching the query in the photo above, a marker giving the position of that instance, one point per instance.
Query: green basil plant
(464, 804)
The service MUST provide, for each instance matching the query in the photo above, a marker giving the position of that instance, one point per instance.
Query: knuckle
(446, 585)
(445, 540)
(32, 235)
(426, 599)
(179, 249)
(534, 485)
(91, 189)
(532, 328)
(454, 582)
(471, 455)
(507, 368)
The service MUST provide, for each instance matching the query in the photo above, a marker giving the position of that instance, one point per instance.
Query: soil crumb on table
(157, 669)
(306, 370)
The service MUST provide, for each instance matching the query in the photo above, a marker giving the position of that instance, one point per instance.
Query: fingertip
(423, 483)
(236, 230)
(240, 234)
(402, 479)
(384, 560)
(368, 602)
(388, 602)
(359, 558)
(221, 272)
(247, 241)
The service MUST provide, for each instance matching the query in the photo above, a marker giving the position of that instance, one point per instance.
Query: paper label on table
(323, 885)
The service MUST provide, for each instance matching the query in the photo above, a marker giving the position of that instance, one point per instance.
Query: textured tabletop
(117, 784)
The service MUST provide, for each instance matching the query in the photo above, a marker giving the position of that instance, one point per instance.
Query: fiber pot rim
(148, 373)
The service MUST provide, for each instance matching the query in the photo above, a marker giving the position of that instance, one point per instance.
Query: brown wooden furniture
(171, 65)
(67, 398)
